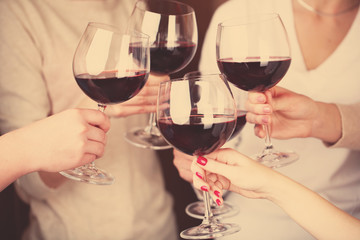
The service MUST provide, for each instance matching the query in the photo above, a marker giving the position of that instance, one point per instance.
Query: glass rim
(109, 27)
(245, 19)
(190, 12)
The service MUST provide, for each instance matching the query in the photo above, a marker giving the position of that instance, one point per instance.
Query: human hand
(143, 102)
(289, 114)
(65, 140)
(183, 162)
(230, 170)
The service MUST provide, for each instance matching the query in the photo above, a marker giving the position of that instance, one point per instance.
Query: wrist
(327, 125)
(284, 190)
(276, 188)
(15, 157)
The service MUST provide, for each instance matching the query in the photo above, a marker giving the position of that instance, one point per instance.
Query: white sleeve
(350, 115)
(23, 92)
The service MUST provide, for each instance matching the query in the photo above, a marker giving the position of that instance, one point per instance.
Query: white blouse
(332, 172)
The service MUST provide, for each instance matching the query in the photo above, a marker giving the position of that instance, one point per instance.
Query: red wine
(197, 138)
(240, 123)
(107, 88)
(166, 58)
(253, 74)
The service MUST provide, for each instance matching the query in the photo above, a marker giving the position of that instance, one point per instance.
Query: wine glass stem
(208, 215)
(101, 108)
(151, 124)
(268, 143)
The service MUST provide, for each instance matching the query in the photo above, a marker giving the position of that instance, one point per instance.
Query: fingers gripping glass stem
(273, 158)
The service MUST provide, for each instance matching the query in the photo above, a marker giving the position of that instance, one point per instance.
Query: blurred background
(14, 213)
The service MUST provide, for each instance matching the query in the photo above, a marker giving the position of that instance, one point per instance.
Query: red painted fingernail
(199, 175)
(204, 188)
(218, 202)
(201, 160)
(217, 193)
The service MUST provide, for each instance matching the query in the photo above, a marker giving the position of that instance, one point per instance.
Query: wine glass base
(210, 231)
(141, 138)
(197, 210)
(276, 159)
(89, 175)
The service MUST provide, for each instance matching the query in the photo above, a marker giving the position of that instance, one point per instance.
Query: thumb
(274, 97)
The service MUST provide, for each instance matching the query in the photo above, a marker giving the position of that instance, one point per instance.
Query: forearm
(12, 165)
(315, 214)
(14, 162)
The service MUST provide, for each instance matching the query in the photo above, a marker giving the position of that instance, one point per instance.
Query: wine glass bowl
(253, 53)
(197, 116)
(110, 67)
(197, 209)
(172, 28)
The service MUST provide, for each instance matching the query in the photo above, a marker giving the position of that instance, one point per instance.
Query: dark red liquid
(195, 138)
(240, 123)
(108, 88)
(166, 59)
(253, 74)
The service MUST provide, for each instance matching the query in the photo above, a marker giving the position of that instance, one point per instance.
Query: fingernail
(201, 160)
(204, 188)
(217, 193)
(261, 99)
(218, 202)
(199, 175)
(267, 110)
(265, 120)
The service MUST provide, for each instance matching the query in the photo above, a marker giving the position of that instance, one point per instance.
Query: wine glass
(197, 209)
(197, 116)
(109, 67)
(172, 29)
(253, 53)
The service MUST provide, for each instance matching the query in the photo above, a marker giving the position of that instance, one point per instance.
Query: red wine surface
(107, 88)
(168, 58)
(255, 74)
(196, 138)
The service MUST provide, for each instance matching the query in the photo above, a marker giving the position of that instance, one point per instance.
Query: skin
(318, 38)
(144, 102)
(65, 140)
(230, 170)
(289, 115)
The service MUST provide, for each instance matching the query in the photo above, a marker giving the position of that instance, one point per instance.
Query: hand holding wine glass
(254, 54)
(197, 116)
(172, 28)
(110, 67)
(197, 209)
(293, 115)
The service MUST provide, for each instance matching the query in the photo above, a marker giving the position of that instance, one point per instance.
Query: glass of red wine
(197, 209)
(253, 53)
(110, 67)
(197, 116)
(172, 28)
